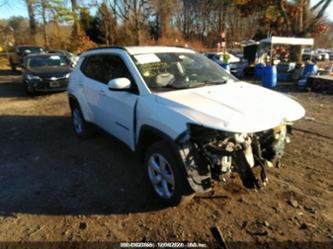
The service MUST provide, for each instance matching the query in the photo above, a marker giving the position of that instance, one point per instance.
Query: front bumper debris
(211, 155)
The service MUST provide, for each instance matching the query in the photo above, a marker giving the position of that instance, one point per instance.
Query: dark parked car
(70, 58)
(16, 59)
(45, 73)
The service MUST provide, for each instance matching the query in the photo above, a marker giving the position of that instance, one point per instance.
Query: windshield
(165, 71)
(45, 61)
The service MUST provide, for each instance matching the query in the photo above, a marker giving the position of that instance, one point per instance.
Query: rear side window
(105, 67)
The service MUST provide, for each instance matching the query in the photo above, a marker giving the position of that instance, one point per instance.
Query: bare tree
(313, 16)
(306, 22)
(165, 9)
(106, 23)
(76, 25)
(32, 20)
(133, 13)
(43, 14)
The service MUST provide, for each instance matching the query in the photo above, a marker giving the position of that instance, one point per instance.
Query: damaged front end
(212, 155)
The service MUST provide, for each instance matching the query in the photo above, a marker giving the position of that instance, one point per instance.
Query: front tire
(167, 174)
(28, 89)
(80, 126)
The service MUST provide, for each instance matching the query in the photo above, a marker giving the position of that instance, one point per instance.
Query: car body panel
(234, 107)
(150, 112)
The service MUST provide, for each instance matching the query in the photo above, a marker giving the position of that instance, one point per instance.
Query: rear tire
(167, 175)
(81, 127)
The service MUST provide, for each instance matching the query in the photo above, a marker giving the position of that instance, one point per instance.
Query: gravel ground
(54, 187)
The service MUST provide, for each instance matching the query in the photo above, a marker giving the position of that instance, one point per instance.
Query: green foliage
(55, 10)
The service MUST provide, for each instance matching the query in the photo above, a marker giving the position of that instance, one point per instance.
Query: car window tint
(92, 67)
(106, 67)
(115, 68)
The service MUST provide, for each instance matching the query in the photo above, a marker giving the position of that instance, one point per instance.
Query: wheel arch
(72, 100)
(149, 135)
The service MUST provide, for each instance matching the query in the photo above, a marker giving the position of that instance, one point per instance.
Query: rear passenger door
(114, 110)
(92, 85)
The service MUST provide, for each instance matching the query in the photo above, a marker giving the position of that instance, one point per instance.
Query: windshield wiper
(187, 86)
(215, 82)
(184, 86)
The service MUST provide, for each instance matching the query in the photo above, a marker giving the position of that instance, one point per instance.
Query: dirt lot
(54, 187)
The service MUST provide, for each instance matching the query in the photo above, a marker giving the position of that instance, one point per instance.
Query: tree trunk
(137, 32)
(296, 53)
(46, 41)
(76, 25)
(32, 21)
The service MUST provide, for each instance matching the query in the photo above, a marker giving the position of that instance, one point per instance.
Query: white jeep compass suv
(191, 122)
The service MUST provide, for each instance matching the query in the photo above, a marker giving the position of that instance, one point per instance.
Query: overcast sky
(18, 8)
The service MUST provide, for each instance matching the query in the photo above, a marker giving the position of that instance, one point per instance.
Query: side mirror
(119, 84)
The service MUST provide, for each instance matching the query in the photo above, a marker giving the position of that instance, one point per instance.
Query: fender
(85, 109)
(155, 135)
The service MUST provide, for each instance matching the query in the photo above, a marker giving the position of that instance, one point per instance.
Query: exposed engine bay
(213, 155)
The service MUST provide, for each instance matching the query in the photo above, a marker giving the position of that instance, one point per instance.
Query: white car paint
(235, 106)
(132, 50)
(232, 58)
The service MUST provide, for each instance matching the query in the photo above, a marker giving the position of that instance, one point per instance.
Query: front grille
(45, 83)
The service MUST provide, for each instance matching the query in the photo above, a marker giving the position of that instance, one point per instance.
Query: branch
(316, 19)
(283, 11)
(316, 6)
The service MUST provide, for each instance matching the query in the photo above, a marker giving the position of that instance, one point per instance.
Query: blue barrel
(258, 69)
(226, 67)
(310, 69)
(269, 76)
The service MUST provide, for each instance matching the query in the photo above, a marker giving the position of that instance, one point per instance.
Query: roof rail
(92, 49)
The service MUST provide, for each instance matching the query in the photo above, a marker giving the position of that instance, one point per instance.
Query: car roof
(28, 46)
(133, 50)
(41, 55)
(156, 49)
(58, 51)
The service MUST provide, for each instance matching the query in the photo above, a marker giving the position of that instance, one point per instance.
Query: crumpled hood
(234, 107)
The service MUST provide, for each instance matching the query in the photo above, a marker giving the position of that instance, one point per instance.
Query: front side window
(167, 71)
(106, 67)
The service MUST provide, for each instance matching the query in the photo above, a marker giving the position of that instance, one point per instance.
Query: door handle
(102, 92)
